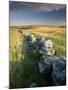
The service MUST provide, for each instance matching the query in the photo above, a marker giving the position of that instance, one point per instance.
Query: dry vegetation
(55, 33)
(18, 77)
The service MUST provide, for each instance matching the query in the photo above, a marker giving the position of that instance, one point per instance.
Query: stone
(33, 38)
(56, 67)
(41, 67)
(33, 85)
(59, 72)
(42, 51)
(44, 67)
(26, 34)
(50, 52)
(49, 48)
(49, 44)
(40, 41)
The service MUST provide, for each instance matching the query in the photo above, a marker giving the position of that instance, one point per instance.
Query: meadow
(23, 70)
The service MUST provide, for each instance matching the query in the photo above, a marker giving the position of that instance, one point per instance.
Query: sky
(28, 13)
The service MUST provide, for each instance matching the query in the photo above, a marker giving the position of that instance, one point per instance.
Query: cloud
(50, 7)
(38, 7)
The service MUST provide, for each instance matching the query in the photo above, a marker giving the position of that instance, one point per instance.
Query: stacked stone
(49, 47)
(40, 46)
(56, 67)
(28, 44)
(45, 47)
(27, 39)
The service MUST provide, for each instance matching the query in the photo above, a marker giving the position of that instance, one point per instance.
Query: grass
(23, 70)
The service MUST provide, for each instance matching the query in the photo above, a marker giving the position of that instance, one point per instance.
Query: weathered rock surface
(56, 67)
(49, 47)
(53, 67)
(59, 72)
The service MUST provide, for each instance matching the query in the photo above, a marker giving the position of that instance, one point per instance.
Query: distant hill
(35, 26)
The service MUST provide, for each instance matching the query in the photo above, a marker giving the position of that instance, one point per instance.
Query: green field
(22, 68)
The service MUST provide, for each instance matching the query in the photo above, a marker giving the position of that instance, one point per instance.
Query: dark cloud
(35, 6)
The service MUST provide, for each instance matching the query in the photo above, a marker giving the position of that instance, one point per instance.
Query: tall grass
(23, 70)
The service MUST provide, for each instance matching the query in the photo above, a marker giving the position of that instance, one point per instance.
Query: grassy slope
(23, 71)
(57, 34)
